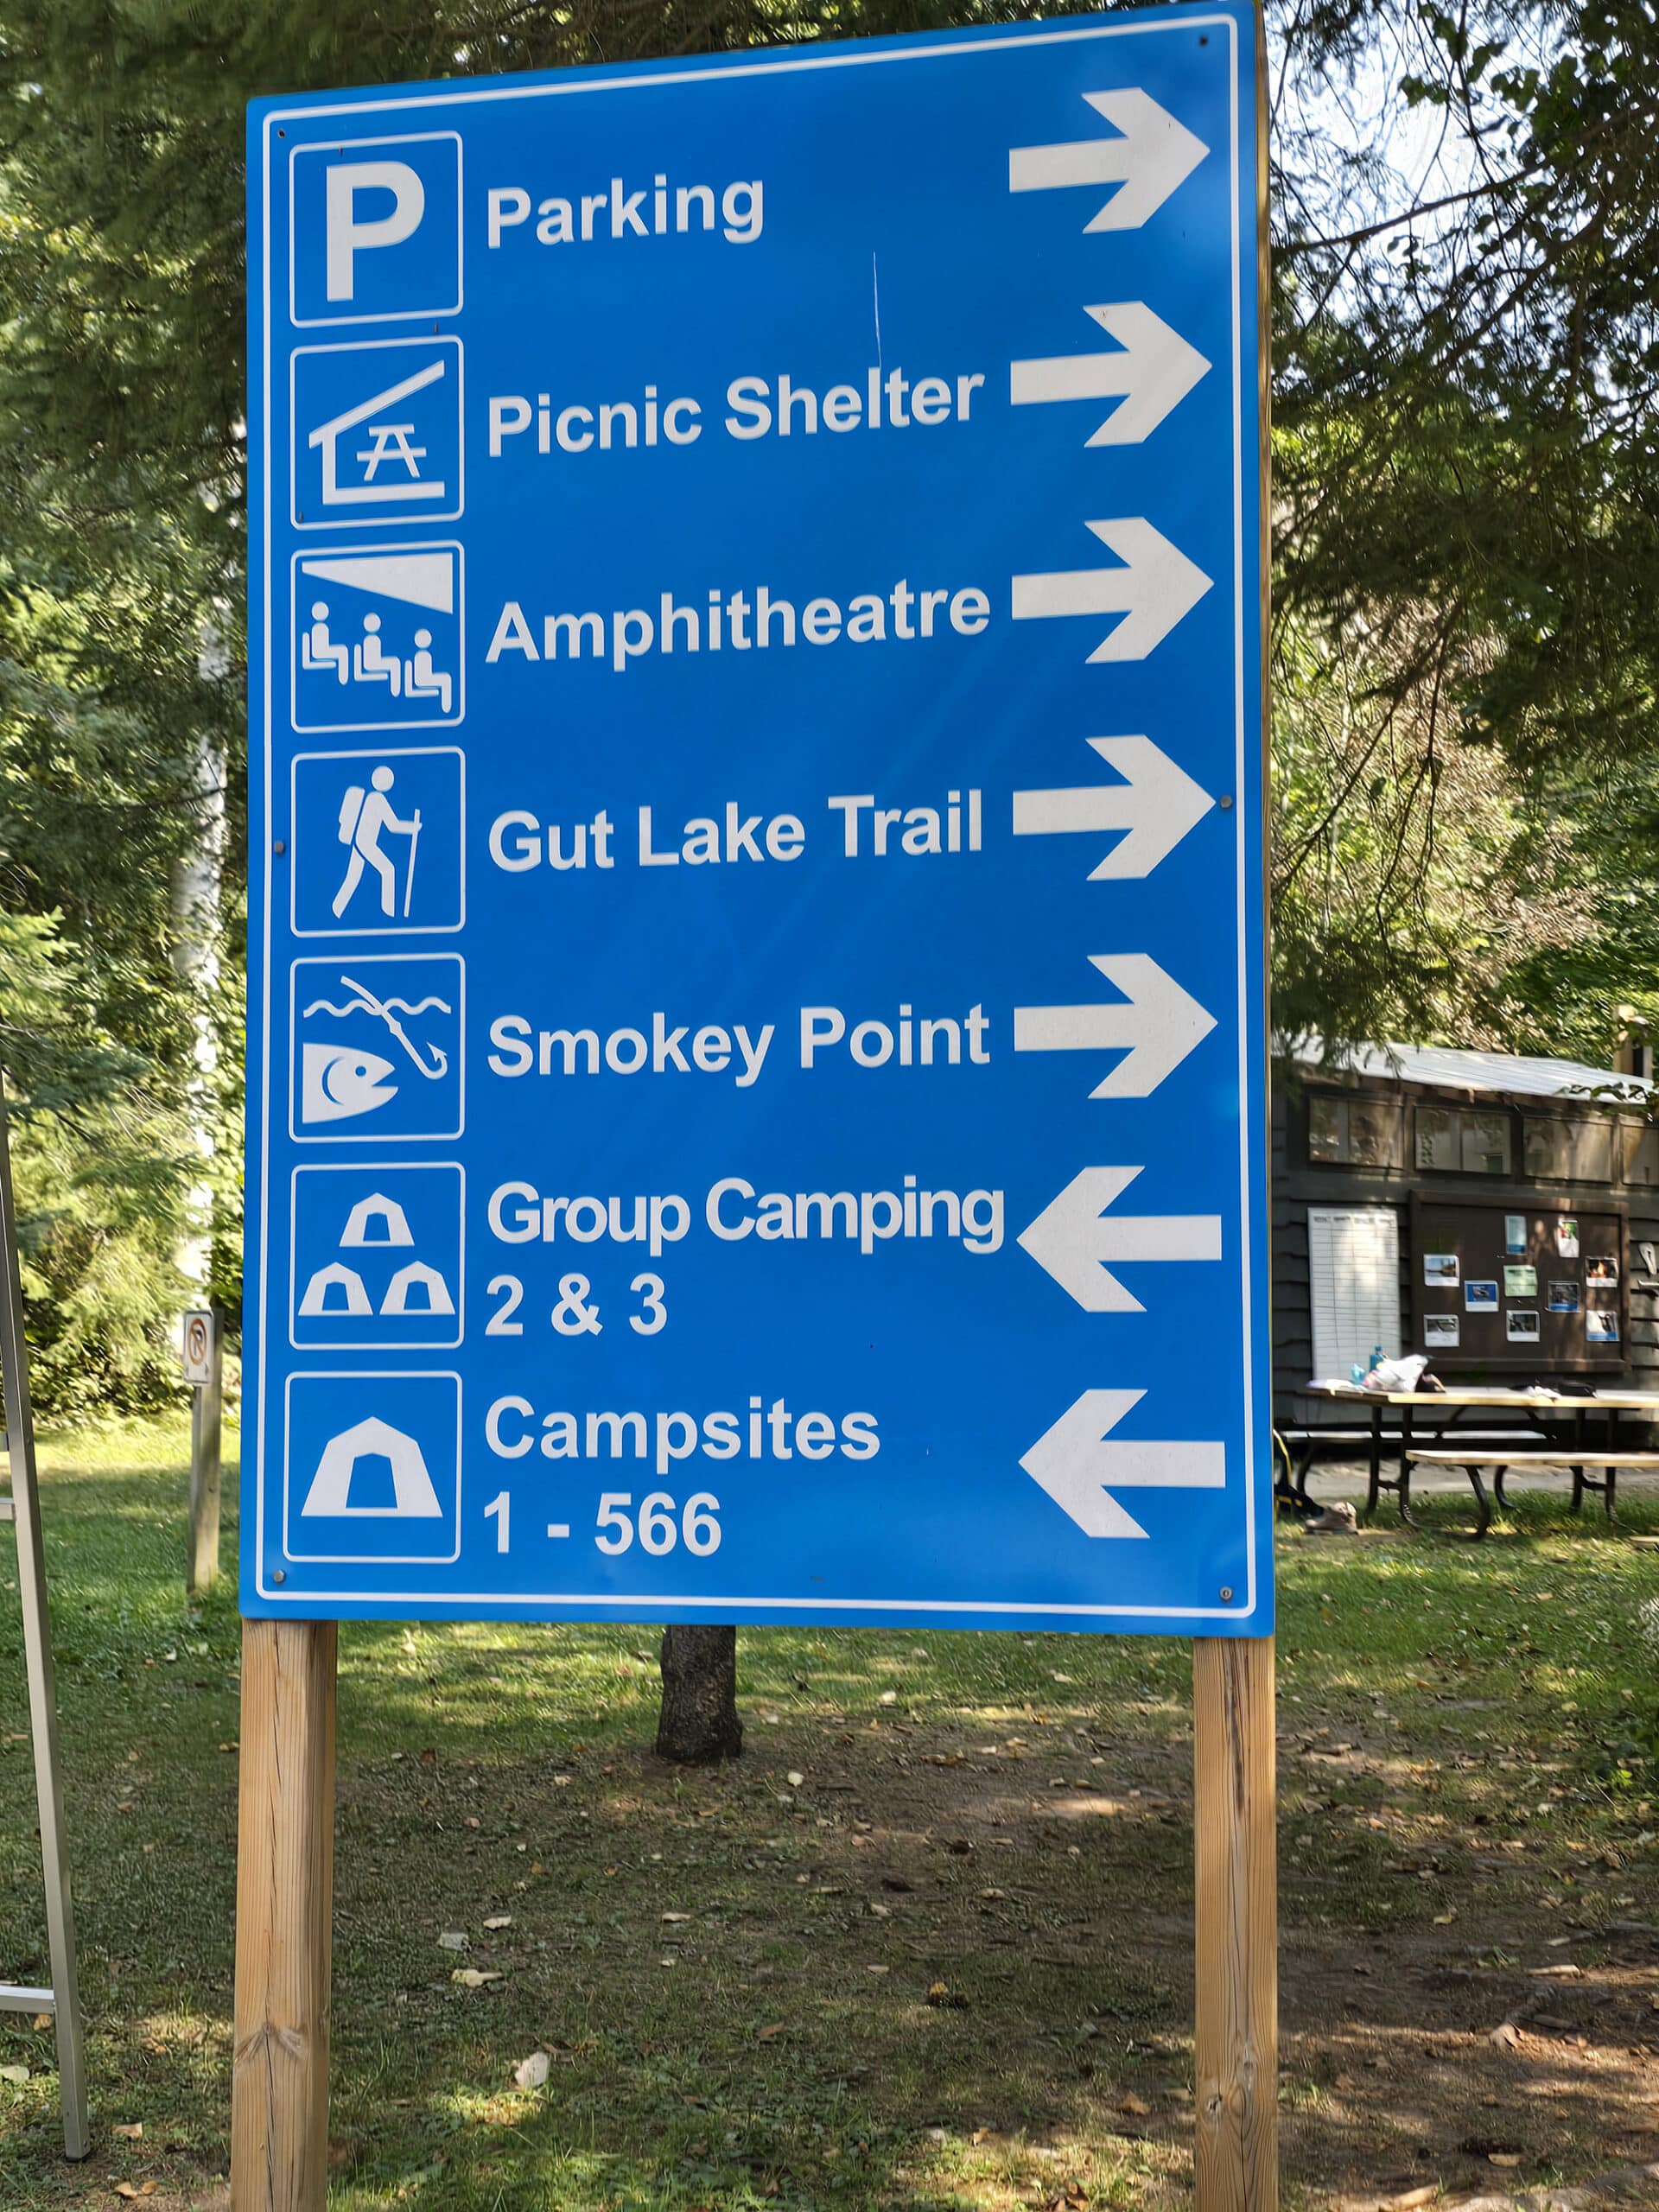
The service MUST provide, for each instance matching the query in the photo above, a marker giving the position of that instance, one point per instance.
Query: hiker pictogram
(365, 816)
(378, 842)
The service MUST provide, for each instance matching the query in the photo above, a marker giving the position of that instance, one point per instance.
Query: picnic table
(1544, 1405)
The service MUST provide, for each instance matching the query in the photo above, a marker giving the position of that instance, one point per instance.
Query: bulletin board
(1510, 1286)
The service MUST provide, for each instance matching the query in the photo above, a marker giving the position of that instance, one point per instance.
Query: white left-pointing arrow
(1157, 804)
(1151, 376)
(1161, 1024)
(1156, 586)
(1074, 1236)
(1078, 1469)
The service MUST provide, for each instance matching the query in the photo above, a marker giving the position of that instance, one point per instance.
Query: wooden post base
(1238, 1926)
(284, 1902)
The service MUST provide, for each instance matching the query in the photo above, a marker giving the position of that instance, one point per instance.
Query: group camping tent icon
(413, 1497)
(376, 1224)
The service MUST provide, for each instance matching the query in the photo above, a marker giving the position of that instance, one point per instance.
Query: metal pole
(206, 1419)
(37, 1652)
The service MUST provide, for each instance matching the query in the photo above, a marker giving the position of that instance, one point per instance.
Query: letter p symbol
(357, 218)
(375, 229)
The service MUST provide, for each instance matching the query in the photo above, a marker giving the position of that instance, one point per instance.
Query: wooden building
(1499, 1214)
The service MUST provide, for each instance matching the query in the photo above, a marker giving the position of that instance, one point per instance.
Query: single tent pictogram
(336, 1276)
(418, 1288)
(330, 1494)
(360, 1222)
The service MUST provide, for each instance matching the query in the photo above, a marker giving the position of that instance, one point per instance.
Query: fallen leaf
(41, 2020)
(1505, 2035)
(889, 1697)
(677, 1919)
(1129, 2103)
(778, 2028)
(133, 2131)
(500, 1920)
(1445, 1919)
(1503, 2158)
(1409, 2199)
(795, 1779)
(531, 2073)
(125, 2189)
(470, 1978)
(14, 2073)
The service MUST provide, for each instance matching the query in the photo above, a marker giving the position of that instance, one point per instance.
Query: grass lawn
(927, 1945)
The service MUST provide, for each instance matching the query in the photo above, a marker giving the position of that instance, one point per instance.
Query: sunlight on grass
(948, 1965)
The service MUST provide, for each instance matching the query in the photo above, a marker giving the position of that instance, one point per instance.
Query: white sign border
(1250, 988)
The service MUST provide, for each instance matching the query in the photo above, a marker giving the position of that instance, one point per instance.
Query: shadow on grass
(927, 1946)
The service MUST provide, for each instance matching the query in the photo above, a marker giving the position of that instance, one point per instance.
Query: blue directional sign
(757, 1055)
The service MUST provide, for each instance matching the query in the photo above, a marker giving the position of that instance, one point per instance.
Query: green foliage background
(1466, 540)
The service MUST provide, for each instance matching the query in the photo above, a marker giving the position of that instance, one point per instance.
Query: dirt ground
(927, 1947)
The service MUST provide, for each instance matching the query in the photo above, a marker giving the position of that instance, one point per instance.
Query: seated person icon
(422, 679)
(371, 662)
(318, 651)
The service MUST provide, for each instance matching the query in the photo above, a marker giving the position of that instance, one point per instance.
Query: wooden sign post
(285, 1914)
(1237, 1923)
(279, 2120)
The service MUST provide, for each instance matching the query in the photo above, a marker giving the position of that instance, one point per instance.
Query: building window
(1459, 1141)
(1560, 1150)
(1351, 1131)
(1639, 1142)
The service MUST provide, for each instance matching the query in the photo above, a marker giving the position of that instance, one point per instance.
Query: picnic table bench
(1569, 1461)
(1543, 1409)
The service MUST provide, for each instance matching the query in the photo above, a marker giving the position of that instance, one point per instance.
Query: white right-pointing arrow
(1073, 1462)
(1156, 586)
(1157, 802)
(1154, 157)
(1161, 1024)
(1074, 1236)
(1153, 374)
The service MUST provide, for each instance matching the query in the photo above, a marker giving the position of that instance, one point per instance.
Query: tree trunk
(699, 1723)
